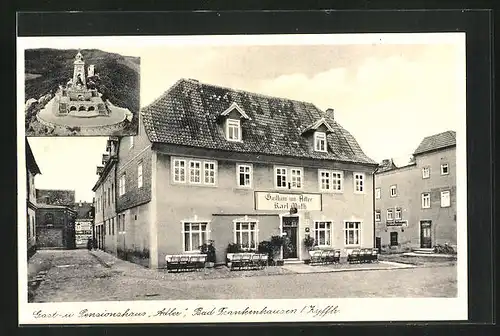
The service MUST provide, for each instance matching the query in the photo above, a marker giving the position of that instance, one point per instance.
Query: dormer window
(232, 117)
(320, 141)
(233, 130)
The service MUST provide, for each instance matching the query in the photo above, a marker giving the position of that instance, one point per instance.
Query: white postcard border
(359, 309)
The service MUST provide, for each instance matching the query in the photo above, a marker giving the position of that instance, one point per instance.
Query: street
(78, 275)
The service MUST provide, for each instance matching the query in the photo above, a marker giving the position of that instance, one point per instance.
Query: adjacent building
(32, 170)
(213, 163)
(55, 227)
(415, 205)
(105, 199)
(55, 219)
(83, 222)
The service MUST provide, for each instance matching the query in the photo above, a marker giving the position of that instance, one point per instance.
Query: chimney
(330, 112)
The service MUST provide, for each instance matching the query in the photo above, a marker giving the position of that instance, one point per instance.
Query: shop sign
(397, 223)
(284, 202)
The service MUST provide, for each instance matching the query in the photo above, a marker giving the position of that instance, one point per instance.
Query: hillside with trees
(46, 69)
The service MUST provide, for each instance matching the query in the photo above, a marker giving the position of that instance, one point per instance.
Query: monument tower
(79, 71)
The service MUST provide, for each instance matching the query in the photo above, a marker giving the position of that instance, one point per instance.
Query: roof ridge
(262, 95)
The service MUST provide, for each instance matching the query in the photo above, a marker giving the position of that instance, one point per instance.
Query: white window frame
(393, 190)
(362, 185)
(196, 222)
(320, 144)
(443, 165)
(325, 182)
(398, 213)
(390, 214)
(176, 178)
(426, 196)
(378, 193)
(192, 171)
(239, 173)
(283, 172)
(426, 172)
(139, 175)
(240, 232)
(296, 180)
(233, 124)
(122, 189)
(182, 167)
(346, 232)
(448, 204)
(209, 170)
(328, 232)
(378, 216)
(333, 179)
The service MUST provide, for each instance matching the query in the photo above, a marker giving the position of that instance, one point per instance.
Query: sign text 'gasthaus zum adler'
(278, 201)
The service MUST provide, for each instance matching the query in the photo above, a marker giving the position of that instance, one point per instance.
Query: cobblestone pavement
(78, 275)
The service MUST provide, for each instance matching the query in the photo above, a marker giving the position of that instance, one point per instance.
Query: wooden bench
(322, 257)
(185, 262)
(362, 256)
(246, 261)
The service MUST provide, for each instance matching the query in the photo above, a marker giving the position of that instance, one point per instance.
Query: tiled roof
(30, 160)
(386, 165)
(437, 141)
(52, 206)
(189, 114)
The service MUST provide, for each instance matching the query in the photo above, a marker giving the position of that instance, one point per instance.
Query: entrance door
(425, 234)
(290, 226)
(378, 243)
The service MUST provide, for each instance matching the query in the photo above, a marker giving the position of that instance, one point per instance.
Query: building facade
(55, 227)
(32, 170)
(105, 199)
(415, 205)
(212, 163)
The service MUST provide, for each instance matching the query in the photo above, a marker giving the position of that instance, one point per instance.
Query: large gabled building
(415, 205)
(214, 163)
(105, 199)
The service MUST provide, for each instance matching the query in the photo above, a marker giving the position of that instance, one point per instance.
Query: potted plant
(209, 249)
(276, 243)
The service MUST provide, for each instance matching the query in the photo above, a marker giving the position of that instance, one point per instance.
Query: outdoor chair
(184, 262)
(329, 255)
(354, 256)
(246, 260)
(367, 255)
(316, 257)
(236, 261)
(264, 260)
(198, 262)
(374, 255)
(256, 262)
(173, 263)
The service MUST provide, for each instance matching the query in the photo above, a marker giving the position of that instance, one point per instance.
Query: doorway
(425, 234)
(290, 226)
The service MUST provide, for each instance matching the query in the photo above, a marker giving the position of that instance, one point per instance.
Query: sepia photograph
(296, 172)
(81, 92)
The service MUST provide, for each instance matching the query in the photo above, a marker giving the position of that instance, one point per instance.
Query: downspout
(373, 210)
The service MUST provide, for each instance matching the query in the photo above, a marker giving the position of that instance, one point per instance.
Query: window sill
(187, 184)
(243, 188)
(332, 191)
